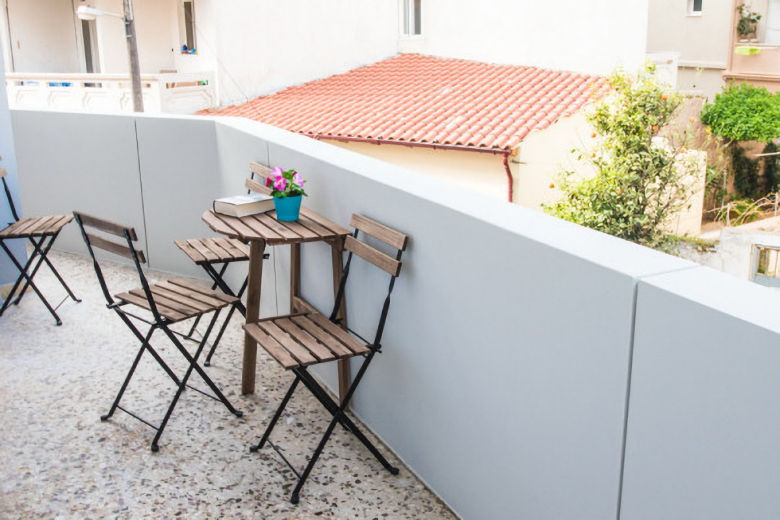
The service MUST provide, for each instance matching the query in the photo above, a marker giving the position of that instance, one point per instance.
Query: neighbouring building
(496, 129)
(749, 251)
(502, 130)
(228, 52)
(703, 36)
(238, 50)
(208, 52)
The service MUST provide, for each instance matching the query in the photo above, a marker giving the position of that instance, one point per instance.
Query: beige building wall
(156, 29)
(254, 46)
(541, 156)
(535, 168)
(700, 81)
(544, 154)
(42, 36)
(46, 36)
(581, 35)
(479, 172)
(701, 39)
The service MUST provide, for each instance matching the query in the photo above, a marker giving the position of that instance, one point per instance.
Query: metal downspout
(509, 179)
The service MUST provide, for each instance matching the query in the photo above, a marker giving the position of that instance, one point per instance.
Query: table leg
(295, 274)
(256, 250)
(337, 247)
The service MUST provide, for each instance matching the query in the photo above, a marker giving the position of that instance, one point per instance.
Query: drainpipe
(509, 179)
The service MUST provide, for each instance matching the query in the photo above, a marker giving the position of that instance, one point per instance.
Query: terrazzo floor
(58, 460)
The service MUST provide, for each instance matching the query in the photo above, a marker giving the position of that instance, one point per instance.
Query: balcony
(756, 59)
(530, 368)
(174, 93)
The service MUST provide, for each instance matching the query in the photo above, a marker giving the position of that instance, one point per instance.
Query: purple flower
(277, 172)
(280, 183)
(298, 179)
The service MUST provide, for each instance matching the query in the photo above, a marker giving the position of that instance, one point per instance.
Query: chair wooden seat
(214, 250)
(304, 339)
(36, 226)
(178, 299)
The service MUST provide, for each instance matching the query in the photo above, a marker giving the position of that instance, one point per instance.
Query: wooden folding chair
(41, 232)
(214, 255)
(169, 302)
(300, 340)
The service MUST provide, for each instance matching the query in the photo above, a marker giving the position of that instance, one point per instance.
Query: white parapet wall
(173, 93)
(506, 373)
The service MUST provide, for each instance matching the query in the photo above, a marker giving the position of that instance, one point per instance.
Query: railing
(754, 61)
(173, 93)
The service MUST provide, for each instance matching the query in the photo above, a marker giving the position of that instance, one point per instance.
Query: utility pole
(132, 51)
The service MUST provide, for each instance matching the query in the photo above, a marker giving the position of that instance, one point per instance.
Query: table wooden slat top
(309, 227)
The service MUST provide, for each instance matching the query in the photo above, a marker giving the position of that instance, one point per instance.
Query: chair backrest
(256, 180)
(124, 248)
(3, 173)
(390, 264)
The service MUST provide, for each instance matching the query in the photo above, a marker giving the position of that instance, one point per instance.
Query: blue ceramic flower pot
(287, 208)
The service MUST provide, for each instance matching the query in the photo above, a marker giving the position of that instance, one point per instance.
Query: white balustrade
(176, 93)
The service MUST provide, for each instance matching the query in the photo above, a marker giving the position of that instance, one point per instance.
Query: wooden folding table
(264, 230)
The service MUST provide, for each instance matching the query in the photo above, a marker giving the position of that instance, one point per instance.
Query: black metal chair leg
(197, 318)
(194, 325)
(28, 279)
(203, 375)
(57, 274)
(323, 397)
(276, 416)
(295, 494)
(215, 343)
(22, 272)
(129, 375)
(41, 253)
(218, 281)
(140, 337)
(193, 363)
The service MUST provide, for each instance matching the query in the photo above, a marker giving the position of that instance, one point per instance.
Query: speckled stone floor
(58, 460)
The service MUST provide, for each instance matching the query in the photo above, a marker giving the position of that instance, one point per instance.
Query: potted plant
(748, 22)
(287, 191)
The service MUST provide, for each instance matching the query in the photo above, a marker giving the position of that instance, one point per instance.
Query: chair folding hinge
(375, 348)
(266, 256)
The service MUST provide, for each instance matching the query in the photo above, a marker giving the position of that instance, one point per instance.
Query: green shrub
(745, 173)
(744, 113)
(771, 169)
(638, 183)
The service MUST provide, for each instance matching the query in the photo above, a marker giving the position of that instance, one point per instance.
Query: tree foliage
(639, 181)
(744, 113)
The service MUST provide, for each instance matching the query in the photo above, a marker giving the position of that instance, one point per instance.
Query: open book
(243, 205)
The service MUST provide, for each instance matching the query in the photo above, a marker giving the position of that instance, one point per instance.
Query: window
(766, 266)
(772, 36)
(412, 17)
(91, 59)
(187, 27)
(695, 7)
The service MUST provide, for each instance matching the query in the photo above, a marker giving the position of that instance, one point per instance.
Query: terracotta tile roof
(423, 99)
